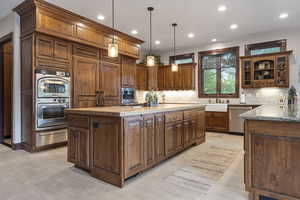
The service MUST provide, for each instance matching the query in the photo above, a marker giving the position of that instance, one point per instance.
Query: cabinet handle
(96, 125)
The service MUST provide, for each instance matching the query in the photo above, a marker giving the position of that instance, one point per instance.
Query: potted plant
(151, 99)
(292, 99)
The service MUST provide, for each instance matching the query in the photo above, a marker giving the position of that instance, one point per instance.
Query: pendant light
(174, 66)
(150, 57)
(113, 49)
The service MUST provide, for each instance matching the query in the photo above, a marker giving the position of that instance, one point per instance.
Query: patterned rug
(203, 169)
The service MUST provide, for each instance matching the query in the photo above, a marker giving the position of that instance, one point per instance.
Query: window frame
(263, 45)
(201, 94)
(181, 57)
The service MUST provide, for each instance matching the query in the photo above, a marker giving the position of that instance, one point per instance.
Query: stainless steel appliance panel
(236, 123)
(51, 137)
(128, 96)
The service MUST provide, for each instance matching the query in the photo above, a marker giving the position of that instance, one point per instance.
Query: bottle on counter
(243, 98)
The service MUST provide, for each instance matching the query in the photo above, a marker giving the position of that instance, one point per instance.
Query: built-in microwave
(128, 96)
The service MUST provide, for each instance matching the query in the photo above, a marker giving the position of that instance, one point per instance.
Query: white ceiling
(198, 16)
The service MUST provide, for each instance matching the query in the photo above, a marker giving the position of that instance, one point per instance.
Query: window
(182, 59)
(219, 73)
(265, 47)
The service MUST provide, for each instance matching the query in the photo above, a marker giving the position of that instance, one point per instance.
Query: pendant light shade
(150, 57)
(113, 49)
(174, 66)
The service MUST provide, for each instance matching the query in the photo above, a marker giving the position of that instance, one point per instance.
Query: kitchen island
(115, 143)
(272, 152)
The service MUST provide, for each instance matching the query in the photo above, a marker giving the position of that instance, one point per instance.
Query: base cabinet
(217, 121)
(115, 148)
(78, 147)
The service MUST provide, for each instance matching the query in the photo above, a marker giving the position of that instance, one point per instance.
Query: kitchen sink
(216, 107)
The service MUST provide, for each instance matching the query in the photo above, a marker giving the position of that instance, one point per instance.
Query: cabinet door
(110, 81)
(200, 133)
(44, 47)
(149, 141)
(128, 72)
(217, 121)
(161, 78)
(187, 134)
(152, 78)
(159, 137)
(177, 79)
(73, 145)
(169, 79)
(85, 82)
(106, 144)
(62, 51)
(141, 77)
(134, 146)
(170, 138)
(78, 147)
(188, 77)
(179, 136)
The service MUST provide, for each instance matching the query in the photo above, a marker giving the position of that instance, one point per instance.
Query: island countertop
(282, 113)
(126, 111)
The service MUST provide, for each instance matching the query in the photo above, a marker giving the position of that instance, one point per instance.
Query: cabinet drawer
(216, 114)
(190, 114)
(85, 51)
(172, 117)
(78, 121)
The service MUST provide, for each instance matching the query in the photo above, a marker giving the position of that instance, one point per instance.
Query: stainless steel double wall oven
(52, 98)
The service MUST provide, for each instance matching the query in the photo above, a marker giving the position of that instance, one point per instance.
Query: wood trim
(236, 49)
(182, 56)
(268, 54)
(276, 43)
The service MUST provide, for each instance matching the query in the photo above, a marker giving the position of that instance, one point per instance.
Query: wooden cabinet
(110, 83)
(106, 144)
(217, 121)
(267, 70)
(200, 128)
(85, 82)
(152, 78)
(187, 77)
(115, 148)
(141, 77)
(159, 137)
(52, 52)
(128, 72)
(174, 132)
(78, 147)
(161, 77)
(134, 145)
(149, 141)
(169, 79)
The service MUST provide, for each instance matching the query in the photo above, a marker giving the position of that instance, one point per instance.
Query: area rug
(203, 169)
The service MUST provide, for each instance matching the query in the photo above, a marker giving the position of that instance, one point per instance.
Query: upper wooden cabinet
(267, 70)
(128, 72)
(41, 16)
(141, 77)
(52, 52)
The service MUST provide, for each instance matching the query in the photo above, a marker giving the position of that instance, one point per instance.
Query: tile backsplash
(253, 96)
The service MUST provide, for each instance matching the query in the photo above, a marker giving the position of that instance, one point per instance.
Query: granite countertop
(274, 113)
(125, 111)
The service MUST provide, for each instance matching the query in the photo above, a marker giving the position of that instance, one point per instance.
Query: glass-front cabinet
(268, 70)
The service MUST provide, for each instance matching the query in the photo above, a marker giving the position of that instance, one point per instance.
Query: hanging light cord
(113, 20)
(174, 40)
(150, 9)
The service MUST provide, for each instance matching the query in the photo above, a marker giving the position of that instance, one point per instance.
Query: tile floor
(48, 176)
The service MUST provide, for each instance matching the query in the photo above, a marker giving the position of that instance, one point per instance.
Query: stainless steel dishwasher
(236, 123)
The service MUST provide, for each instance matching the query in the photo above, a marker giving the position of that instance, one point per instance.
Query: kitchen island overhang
(115, 143)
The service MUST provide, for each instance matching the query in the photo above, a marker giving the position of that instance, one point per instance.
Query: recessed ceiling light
(214, 40)
(191, 35)
(100, 17)
(283, 15)
(234, 26)
(157, 42)
(222, 8)
(134, 32)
